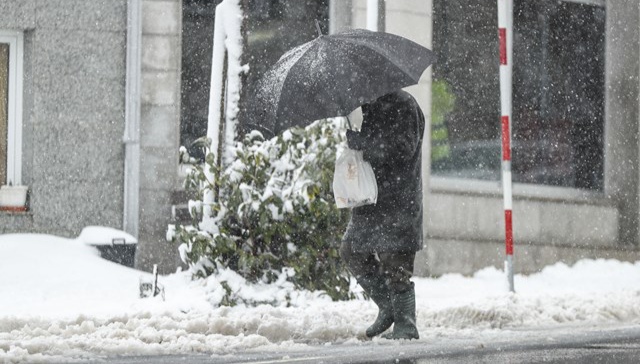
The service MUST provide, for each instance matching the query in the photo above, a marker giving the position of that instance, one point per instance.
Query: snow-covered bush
(275, 212)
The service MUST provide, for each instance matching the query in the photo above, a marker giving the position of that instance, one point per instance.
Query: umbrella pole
(505, 35)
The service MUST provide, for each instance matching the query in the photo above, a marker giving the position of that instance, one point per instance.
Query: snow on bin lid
(100, 235)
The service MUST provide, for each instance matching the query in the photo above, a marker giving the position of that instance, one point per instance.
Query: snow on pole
(505, 36)
(224, 94)
(216, 98)
(372, 15)
(234, 15)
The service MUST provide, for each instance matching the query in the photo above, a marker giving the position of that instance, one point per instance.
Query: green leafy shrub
(275, 212)
(442, 103)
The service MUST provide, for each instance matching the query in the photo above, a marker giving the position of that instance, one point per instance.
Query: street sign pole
(505, 36)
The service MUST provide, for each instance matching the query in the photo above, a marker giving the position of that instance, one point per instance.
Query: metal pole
(154, 287)
(376, 10)
(505, 35)
(216, 119)
(372, 15)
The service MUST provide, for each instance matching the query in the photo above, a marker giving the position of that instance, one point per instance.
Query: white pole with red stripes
(505, 35)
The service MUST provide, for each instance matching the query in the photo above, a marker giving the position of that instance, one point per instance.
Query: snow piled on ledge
(59, 301)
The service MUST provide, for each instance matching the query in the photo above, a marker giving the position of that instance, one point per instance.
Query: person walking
(381, 240)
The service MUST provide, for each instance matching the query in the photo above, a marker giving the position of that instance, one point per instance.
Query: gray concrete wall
(73, 113)
(465, 227)
(159, 131)
(473, 210)
(359, 13)
(467, 257)
(340, 15)
(621, 126)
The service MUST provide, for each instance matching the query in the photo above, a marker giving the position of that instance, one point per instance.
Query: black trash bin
(114, 245)
(119, 252)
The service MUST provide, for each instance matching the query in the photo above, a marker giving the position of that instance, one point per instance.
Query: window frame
(601, 3)
(15, 39)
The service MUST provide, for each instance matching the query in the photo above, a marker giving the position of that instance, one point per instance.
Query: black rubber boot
(404, 315)
(377, 289)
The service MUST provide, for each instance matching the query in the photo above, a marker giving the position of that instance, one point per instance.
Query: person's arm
(396, 141)
(355, 140)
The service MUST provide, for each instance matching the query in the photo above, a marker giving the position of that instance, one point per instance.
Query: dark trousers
(396, 268)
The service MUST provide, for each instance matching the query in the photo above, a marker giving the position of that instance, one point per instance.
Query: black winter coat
(391, 140)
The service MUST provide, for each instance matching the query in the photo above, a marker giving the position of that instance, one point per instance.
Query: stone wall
(74, 80)
(159, 131)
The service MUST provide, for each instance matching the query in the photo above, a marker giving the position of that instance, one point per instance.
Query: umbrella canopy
(333, 75)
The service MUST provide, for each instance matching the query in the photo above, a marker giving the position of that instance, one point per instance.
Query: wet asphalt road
(613, 345)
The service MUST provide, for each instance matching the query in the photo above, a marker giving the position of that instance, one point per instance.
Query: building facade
(104, 93)
(574, 133)
(98, 117)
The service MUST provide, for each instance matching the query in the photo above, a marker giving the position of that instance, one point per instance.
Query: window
(268, 35)
(11, 52)
(558, 92)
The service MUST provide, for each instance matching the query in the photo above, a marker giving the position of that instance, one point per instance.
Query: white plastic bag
(354, 183)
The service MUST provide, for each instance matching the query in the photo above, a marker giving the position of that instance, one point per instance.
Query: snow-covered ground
(60, 301)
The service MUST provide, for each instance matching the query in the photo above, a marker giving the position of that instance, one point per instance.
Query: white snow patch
(100, 235)
(59, 301)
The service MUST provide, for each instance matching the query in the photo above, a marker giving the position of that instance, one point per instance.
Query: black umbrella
(332, 75)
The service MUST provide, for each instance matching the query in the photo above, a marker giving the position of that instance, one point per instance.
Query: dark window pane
(558, 84)
(280, 26)
(273, 27)
(197, 35)
(467, 135)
